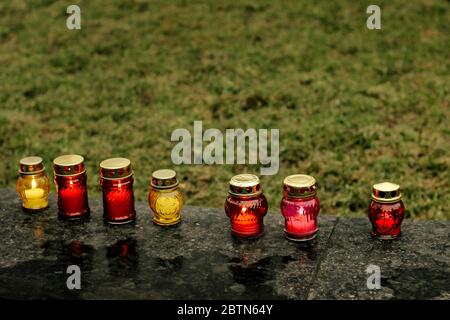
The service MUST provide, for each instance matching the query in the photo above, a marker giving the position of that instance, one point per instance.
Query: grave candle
(116, 179)
(300, 207)
(70, 180)
(386, 211)
(165, 198)
(33, 184)
(246, 206)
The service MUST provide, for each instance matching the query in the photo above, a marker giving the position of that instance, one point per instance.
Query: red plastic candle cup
(246, 206)
(116, 179)
(386, 211)
(71, 189)
(300, 207)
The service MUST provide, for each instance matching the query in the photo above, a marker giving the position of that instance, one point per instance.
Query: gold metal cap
(31, 165)
(115, 168)
(68, 165)
(386, 192)
(300, 186)
(164, 179)
(245, 185)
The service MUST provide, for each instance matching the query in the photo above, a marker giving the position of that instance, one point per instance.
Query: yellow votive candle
(32, 184)
(35, 199)
(165, 198)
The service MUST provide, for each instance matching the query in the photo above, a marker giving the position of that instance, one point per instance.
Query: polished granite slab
(199, 259)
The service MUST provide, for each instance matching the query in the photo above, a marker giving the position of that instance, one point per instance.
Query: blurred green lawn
(354, 106)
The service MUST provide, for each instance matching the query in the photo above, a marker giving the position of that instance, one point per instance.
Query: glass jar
(33, 184)
(300, 207)
(116, 179)
(246, 206)
(165, 198)
(71, 189)
(386, 211)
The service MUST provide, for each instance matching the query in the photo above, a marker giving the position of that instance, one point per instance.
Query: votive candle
(300, 207)
(71, 186)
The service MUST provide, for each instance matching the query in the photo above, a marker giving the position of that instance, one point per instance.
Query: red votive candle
(246, 206)
(300, 207)
(71, 189)
(386, 211)
(116, 179)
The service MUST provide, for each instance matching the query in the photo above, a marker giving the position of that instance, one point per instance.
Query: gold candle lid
(164, 179)
(115, 168)
(300, 186)
(31, 165)
(386, 192)
(68, 165)
(245, 185)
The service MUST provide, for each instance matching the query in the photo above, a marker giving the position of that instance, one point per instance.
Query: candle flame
(33, 183)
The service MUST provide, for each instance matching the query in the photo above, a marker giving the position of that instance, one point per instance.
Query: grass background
(354, 106)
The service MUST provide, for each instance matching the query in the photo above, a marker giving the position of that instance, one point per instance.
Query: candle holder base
(74, 217)
(162, 224)
(386, 237)
(246, 237)
(300, 238)
(119, 222)
(31, 210)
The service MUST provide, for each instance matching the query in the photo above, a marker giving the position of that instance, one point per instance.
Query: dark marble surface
(199, 259)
